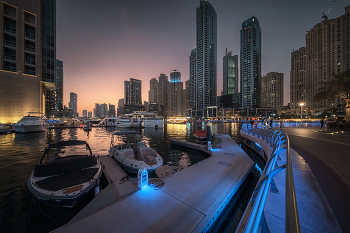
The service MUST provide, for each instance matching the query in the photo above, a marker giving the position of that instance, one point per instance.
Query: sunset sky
(103, 43)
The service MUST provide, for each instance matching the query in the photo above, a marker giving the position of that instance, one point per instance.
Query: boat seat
(64, 165)
(67, 180)
(137, 152)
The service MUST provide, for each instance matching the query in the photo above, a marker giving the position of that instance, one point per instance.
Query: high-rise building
(327, 52)
(120, 107)
(272, 91)
(111, 110)
(20, 59)
(299, 87)
(132, 91)
(175, 99)
(103, 111)
(73, 102)
(97, 110)
(162, 90)
(250, 65)
(186, 96)
(48, 51)
(193, 79)
(175, 76)
(84, 113)
(153, 91)
(89, 114)
(206, 58)
(59, 89)
(230, 73)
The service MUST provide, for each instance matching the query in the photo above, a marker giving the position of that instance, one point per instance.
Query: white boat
(116, 122)
(132, 154)
(62, 180)
(146, 119)
(31, 124)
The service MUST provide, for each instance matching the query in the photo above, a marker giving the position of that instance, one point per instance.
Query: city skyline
(96, 64)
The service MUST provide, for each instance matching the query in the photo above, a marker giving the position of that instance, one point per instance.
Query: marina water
(19, 153)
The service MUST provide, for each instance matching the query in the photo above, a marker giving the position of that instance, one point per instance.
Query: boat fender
(142, 178)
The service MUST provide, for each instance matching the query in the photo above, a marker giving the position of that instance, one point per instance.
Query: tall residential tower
(251, 63)
(230, 73)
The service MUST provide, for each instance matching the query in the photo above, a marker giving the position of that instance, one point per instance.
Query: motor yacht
(132, 154)
(146, 119)
(31, 123)
(61, 179)
(116, 122)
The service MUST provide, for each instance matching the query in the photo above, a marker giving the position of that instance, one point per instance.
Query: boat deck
(190, 200)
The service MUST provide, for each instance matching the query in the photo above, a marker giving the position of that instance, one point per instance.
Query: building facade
(327, 52)
(272, 91)
(90, 114)
(186, 96)
(59, 90)
(20, 59)
(193, 80)
(132, 91)
(175, 99)
(299, 83)
(250, 65)
(230, 74)
(120, 107)
(206, 59)
(111, 110)
(73, 102)
(153, 91)
(85, 113)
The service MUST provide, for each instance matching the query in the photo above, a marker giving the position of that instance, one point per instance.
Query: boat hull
(26, 128)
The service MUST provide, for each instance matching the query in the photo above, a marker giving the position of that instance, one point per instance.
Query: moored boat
(31, 123)
(60, 180)
(132, 154)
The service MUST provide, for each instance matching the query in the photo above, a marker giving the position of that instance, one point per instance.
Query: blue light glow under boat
(258, 168)
(216, 149)
(257, 144)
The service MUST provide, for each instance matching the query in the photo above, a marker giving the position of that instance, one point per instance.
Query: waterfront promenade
(327, 153)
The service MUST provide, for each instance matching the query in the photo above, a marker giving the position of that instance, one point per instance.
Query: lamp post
(301, 114)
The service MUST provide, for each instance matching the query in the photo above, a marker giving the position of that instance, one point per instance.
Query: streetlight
(301, 115)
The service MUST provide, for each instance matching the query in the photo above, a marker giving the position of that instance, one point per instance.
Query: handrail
(275, 139)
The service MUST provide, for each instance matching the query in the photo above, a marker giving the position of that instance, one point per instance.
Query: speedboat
(61, 179)
(30, 124)
(132, 154)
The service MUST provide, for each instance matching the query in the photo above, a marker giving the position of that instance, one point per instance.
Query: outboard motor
(142, 178)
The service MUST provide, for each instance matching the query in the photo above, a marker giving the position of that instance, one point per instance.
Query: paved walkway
(328, 156)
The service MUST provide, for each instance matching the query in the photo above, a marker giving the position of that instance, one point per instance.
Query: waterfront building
(120, 107)
(230, 74)
(20, 59)
(327, 52)
(175, 99)
(153, 91)
(175, 76)
(103, 111)
(299, 86)
(186, 96)
(250, 65)
(48, 53)
(205, 78)
(59, 89)
(193, 80)
(111, 110)
(90, 114)
(73, 102)
(132, 91)
(84, 113)
(130, 108)
(272, 91)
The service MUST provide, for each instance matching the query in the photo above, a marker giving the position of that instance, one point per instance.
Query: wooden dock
(190, 201)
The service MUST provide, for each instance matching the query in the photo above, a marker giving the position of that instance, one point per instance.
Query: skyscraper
(250, 63)
(175, 101)
(84, 113)
(299, 87)
(175, 76)
(327, 52)
(132, 91)
(162, 90)
(20, 59)
(59, 89)
(73, 102)
(111, 110)
(186, 96)
(153, 91)
(205, 78)
(230, 73)
(120, 107)
(49, 54)
(272, 90)
(193, 80)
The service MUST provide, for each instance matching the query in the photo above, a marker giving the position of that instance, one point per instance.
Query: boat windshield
(64, 151)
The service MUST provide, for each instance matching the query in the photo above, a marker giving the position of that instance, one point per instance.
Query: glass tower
(230, 74)
(205, 78)
(175, 76)
(251, 63)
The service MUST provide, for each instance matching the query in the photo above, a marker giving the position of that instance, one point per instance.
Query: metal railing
(276, 140)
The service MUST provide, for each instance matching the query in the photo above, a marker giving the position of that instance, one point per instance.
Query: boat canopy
(67, 143)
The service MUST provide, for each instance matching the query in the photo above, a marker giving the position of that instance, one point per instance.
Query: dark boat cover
(67, 143)
(66, 180)
(64, 165)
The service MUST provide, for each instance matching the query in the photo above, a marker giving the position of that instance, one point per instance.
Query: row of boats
(62, 179)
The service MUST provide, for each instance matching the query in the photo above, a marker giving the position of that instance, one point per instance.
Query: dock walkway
(190, 200)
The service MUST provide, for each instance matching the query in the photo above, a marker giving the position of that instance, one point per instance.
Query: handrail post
(292, 218)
